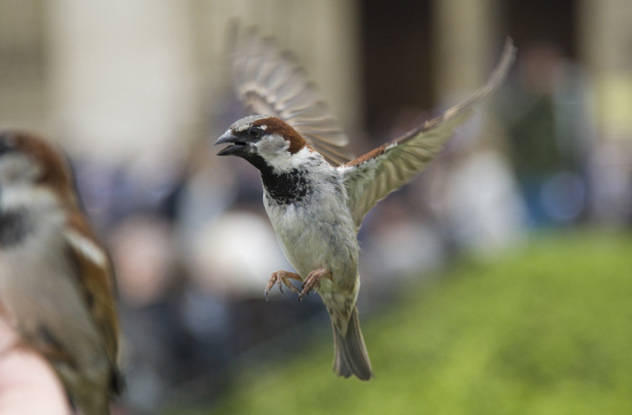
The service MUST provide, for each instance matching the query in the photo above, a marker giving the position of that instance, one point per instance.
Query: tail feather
(117, 382)
(90, 390)
(350, 354)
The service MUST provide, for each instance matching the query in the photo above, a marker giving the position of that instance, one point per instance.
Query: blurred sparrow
(55, 278)
(315, 197)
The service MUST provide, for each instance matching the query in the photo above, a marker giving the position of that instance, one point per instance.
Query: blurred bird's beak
(237, 148)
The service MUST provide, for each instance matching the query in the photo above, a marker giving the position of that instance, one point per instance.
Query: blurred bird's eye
(255, 132)
(7, 143)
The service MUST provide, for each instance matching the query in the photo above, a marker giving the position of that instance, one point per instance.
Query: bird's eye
(7, 143)
(255, 132)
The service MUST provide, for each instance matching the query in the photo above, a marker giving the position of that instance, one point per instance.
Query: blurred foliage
(546, 329)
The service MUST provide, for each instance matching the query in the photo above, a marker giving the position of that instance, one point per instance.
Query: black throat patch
(282, 188)
(14, 227)
(287, 188)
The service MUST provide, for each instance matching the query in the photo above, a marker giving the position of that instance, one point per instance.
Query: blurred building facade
(119, 79)
(69, 65)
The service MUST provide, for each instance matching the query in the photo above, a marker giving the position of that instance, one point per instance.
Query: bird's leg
(282, 278)
(313, 280)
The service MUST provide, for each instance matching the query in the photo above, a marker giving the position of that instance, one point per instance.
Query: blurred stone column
(23, 65)
(605, 39)
(466, 41)
(121, 76)
(323, 34)
(605, 42)
(475, 196)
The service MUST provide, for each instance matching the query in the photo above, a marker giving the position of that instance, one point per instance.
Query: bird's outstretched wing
(270, 82)
(372, 176)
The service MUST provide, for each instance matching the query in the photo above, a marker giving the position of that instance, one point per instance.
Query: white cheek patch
(15, 168)
(272, 146)
(26, 195)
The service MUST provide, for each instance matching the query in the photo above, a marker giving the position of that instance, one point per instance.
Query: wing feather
(95, 271)
(270, 82)
(372, 176)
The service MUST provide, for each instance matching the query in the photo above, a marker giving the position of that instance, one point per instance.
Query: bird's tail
(90, 391)
(88, 399)
(350, 354)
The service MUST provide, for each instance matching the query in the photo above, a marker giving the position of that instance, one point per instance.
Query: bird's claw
(281, 278)
(313, 281)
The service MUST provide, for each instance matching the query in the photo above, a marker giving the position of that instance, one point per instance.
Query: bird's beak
(238, 147)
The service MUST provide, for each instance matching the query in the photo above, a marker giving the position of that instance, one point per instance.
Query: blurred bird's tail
(350, 354)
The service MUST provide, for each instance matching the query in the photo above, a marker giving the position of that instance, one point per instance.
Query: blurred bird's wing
(372, 176)
(94, 270)
(270, 82)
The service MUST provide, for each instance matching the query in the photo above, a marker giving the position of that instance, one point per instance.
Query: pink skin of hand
(28, 385)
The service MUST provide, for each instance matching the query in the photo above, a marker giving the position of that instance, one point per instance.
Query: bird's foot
(313, 280)
(282, 278)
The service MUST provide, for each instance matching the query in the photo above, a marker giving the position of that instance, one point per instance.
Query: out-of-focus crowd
(193, 249)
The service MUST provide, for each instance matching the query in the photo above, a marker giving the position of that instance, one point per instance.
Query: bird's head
(262, 141)
(27, 161)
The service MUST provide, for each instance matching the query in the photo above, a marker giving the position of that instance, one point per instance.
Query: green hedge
(545, 329)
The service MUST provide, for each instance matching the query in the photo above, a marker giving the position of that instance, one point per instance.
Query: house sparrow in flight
(56, 285)
(315, 197)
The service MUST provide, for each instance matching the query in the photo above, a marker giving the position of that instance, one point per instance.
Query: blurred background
(497, 282)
